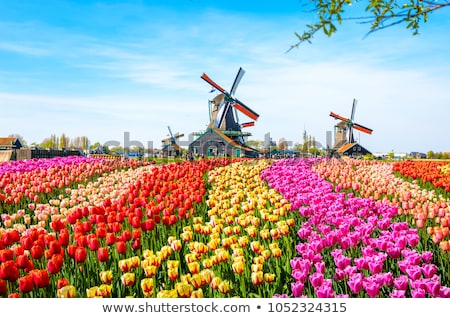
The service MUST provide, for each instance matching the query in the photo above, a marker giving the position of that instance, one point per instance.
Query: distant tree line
(438, 155)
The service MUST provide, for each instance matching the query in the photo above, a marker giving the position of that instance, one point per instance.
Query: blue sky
(103, 68)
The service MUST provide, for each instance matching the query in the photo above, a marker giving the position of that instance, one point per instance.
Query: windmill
(344, 138)
(225, 107)
(170, 145)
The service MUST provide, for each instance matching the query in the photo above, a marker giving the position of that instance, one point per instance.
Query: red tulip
(27, 242)
(136, 244)
(14, 295)
(18, 250)
(126, 235)
(37, 251)
(9, 271)
(40, 278)
(110, 239)
(121, 247)
(62, 282)
(6, 255)
(63, 238)
(71, 249)
(94, 244)
(55, 247)
(22, 261)
(101, 231)
(148, 225)
(80, 254)
(102, 254)
(57, 225)
(3, 288)
(136, 233)
(26, 284)
(53, 266)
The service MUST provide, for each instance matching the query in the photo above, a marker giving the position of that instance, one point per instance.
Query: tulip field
(319, 228)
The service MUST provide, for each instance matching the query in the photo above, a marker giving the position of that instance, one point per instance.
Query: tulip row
(350, 246)
(434, 172)
(27, 180)
(371, 179)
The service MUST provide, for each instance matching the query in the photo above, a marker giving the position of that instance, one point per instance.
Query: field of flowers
(96, 227)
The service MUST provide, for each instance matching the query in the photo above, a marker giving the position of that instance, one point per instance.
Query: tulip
(80, 255)
(184, 290)
(106, 277)
(128, 279)
(147, 287)
(197, 293)
(92, 292)
(62, 282)
(102, 254)
(41, 278)
(194, 267)
(67, 292)
(257, 278)
(121, 247)
(9, 271)
(3, 288)
(26, 284)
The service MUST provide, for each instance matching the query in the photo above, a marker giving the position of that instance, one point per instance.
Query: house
(353, 149)
(7, 143)
(213, 142)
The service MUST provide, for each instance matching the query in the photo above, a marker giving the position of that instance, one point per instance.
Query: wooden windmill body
(344, 141)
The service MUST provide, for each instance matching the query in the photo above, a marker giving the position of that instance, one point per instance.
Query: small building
(352, 150)
(8, 143)
(214, 142)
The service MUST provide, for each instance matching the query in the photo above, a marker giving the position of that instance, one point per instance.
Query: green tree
(430, 154)
(64, 141)
(381, 14)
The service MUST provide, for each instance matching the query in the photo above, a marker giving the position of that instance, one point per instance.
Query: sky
(126, 70)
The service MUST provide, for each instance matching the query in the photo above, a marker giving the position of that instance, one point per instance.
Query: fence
(27, 153)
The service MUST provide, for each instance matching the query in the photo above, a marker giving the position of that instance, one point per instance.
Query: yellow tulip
(106, 277)
(104, 290)
(197, 293)
(224, 287)
(269, 277)
(257, 278)
(183, 289)
(238, 267)
(67, 292)
(128, 279)
(92, 292)
(150, 270)
(194, 267)
(147, 287)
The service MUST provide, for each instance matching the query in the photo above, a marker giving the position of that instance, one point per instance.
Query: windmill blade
(249, 124)
(238, 78)
(352, 117)
(170, 131)
(338, 116)
(351, 138)
(221, 114)
(245, 110)
(212, 83)
(362, 128)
